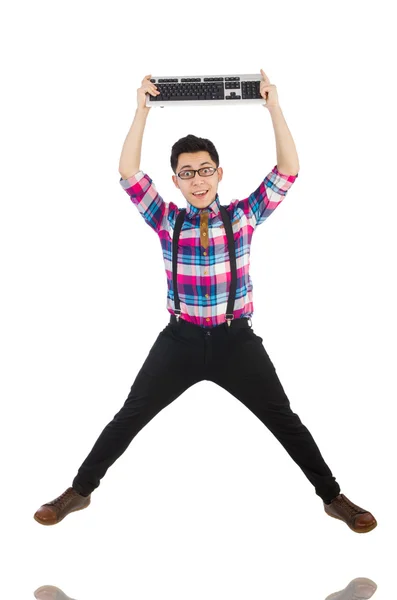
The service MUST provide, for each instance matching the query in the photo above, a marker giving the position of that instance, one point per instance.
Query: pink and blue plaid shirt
(204, 274)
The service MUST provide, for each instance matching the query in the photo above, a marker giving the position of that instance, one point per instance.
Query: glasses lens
(204, 172)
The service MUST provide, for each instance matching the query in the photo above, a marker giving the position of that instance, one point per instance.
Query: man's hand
(147, 87)
(268, 91)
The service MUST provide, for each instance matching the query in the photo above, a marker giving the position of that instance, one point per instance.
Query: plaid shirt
(203, 263)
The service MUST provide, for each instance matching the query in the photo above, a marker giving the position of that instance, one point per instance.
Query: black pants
(232, 357)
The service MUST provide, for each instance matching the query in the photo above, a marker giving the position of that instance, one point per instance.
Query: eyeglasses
(203, 172)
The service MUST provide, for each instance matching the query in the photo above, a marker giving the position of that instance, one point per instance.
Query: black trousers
(232, 357)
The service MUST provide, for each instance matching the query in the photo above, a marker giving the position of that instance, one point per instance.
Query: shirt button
(205, 254)
(207, 296)
(208, 319)
(205, 272)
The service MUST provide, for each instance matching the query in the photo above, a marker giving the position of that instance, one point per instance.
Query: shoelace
(62, 500)
(351, 508)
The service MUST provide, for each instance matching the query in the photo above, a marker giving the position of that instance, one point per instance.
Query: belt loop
(229, 320)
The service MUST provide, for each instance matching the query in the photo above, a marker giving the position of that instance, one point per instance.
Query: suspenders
(232, 255)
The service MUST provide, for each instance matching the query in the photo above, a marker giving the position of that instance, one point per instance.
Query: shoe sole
(59, 520)
(361, 530)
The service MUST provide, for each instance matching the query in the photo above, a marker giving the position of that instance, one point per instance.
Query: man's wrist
(273, 109)
(143, 110)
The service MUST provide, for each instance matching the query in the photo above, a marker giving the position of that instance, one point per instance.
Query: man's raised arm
(130, 158)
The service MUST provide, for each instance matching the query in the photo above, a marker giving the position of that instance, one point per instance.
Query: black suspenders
(232, 255)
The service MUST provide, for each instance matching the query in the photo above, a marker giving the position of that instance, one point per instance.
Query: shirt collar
(213, 209)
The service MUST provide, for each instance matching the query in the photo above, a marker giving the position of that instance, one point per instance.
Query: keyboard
(205, 90)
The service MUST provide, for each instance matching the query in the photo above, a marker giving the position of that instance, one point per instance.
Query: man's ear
(175, 180)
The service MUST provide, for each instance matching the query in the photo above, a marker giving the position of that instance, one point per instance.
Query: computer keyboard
(206, 89)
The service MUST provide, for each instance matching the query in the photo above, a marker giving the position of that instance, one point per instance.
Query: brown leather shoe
(54, 511)
(357, 518)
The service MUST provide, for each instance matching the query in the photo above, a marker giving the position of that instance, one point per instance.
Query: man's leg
(250, 376)
(170, 368)
(160, 380)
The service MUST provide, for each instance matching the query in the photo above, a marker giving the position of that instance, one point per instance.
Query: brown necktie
(204, 241)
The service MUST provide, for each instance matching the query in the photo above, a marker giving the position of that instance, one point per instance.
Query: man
(209, 337)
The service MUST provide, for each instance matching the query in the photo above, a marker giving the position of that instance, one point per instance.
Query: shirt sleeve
(150, 204)
(265, 199)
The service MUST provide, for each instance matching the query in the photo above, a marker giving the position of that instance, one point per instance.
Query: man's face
(197, 160)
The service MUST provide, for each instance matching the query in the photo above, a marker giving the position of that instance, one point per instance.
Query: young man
(209, 337)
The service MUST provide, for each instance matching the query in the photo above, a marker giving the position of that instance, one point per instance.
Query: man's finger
(264, 75)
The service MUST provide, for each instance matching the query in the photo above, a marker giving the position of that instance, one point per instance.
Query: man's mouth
(200, 194)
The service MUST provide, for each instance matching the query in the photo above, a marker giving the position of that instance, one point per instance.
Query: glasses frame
(196, 171)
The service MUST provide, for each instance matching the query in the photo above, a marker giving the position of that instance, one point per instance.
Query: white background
(205, 503)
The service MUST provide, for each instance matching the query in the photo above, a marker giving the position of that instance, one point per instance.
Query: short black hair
(191, 143)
